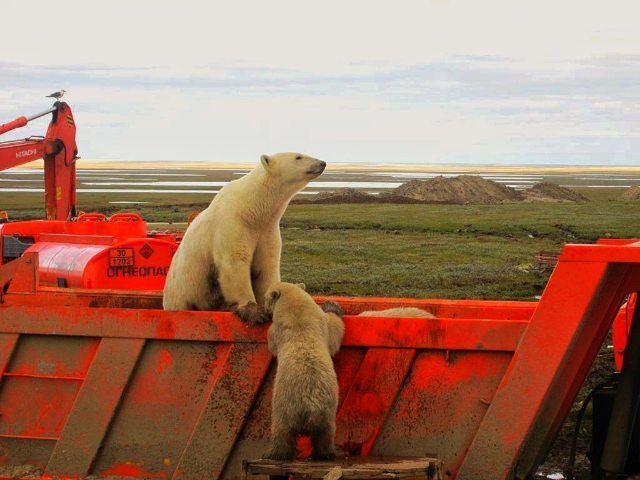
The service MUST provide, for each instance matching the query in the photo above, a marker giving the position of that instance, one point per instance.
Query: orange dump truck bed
(105, 383)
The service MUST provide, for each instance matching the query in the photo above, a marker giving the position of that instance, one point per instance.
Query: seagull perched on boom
(57, 95)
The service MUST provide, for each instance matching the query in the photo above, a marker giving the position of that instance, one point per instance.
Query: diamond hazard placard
(146, 251)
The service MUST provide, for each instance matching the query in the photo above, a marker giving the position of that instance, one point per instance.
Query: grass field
(442, 251)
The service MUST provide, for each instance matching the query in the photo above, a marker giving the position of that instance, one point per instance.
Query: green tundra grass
(442, 251)
(422, 251)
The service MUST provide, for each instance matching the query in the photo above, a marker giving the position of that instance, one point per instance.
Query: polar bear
(303, 337)
(398, 312)
(230, 254)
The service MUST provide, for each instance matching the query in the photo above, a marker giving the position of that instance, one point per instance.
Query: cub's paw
(252, 313)
(332, 307)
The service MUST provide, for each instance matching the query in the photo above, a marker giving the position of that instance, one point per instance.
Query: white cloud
(380, 81)
(317, 36)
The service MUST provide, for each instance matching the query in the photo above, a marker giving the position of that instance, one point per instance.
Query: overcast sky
(349, 81)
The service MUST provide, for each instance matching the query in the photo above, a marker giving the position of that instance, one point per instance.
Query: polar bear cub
(230, 254)
(303, 337)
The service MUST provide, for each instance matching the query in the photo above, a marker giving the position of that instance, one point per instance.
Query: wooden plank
(370, 398)
(334, 474)
(419, 333)
(225, 413)
(94, 407)
(350, 468)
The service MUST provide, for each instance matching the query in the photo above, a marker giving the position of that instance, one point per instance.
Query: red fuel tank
(105, 263)
(93, 252)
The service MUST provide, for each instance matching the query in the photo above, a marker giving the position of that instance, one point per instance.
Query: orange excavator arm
(59, 151)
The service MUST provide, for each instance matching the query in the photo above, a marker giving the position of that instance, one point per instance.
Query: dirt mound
(632, 193)
(352, 195)
(464, 189)
(461, 189)
(551, 192)
(391, 197)
(344, 195)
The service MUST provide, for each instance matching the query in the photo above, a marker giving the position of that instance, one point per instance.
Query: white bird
(57, 95)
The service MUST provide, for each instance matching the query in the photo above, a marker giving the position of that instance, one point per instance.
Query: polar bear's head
(292, 170)
(287, 296)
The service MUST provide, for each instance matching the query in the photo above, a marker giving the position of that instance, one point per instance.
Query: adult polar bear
(230, 254)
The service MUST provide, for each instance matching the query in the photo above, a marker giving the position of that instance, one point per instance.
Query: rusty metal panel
(44, 373)
(24, 274)
(19, 455)
(8, 342)
(161, 428)
(123, 299)
(347, 363)
(35, 407)
(94, 408)
(160, 408)
(253, 440)
(437, 333)
(53, 356)
(370, 397)
(444, 399)
(225, 413)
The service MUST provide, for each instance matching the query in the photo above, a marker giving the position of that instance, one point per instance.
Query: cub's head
(292, 170)
(286, 293)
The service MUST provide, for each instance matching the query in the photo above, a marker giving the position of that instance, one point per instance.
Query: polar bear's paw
(252, 313)
(332, 307)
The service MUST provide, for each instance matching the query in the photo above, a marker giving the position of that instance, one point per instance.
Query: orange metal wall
(188, 394)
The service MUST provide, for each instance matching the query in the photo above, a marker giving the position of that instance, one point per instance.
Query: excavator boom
(58, 149)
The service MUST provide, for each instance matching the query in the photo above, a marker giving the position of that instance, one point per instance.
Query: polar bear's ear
(302, 286)
(270, 299)
(264, 159)
(274, 295)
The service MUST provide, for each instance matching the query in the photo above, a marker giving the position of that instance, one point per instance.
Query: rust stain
(165, 328)
(437, 336)
(367, 445)
(131, 470)
(165, 361)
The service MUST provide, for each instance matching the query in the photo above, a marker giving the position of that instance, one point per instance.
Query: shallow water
(170, 181)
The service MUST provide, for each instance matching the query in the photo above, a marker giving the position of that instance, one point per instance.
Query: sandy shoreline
(354, 167)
